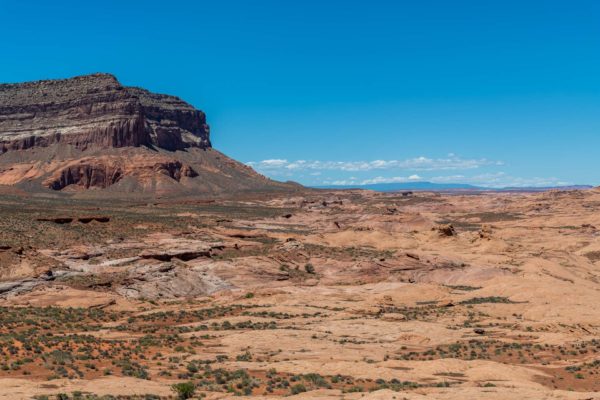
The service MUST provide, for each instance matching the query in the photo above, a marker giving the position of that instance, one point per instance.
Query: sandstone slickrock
(446, 230)
(508, 317)
(91, 132)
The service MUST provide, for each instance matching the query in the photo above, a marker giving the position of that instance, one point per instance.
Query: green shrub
(184, 390)
(298, 388)
(309, 268)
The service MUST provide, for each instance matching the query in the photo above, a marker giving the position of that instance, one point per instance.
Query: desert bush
(184, 390)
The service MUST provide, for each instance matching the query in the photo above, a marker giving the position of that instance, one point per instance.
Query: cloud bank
(492, 180)
(475, 171)
(451, 162)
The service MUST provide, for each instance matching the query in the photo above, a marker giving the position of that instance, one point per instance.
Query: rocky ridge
(91, 132)
(96, 110)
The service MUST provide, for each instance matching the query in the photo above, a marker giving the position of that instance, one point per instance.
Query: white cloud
(353, 172)
(343, 182)
(500, 180)
(393, 179)
(274, 163)
(492, 180)
(451, 162)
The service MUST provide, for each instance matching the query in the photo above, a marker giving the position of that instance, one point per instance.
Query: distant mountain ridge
(430, 186)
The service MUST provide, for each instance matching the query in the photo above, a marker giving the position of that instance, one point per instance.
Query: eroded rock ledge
(96, 111)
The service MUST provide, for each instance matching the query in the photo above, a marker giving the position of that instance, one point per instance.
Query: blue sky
(496, 93)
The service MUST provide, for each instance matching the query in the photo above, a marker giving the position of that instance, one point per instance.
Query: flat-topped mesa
(91, 136)
(96, 111)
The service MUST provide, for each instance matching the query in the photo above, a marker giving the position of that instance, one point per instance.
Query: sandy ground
(377, 289)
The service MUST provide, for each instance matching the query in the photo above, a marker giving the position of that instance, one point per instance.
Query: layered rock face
(96, 110)
(91, 132)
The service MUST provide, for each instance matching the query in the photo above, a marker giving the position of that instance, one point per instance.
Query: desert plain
(309, 295)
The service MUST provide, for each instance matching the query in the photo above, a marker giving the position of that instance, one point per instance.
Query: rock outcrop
(86, 175)
(91, 132)
(96, 110)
